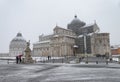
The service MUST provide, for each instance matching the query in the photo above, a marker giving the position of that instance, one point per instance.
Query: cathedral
(79, 38)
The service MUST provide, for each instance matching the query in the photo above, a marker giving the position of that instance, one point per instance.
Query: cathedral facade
(79, 38)
(60, 43)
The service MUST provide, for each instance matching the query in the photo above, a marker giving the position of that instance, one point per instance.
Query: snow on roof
(115, 46)
(46, 41)
(88, 25)
(90, 34)
(56, 36)
(57, 27)
(80, 36)
(70, 36)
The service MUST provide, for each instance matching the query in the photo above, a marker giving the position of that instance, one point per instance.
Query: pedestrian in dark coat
(17, 59)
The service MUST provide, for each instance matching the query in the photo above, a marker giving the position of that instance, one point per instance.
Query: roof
(58, 27)
(77, 21)
(88, 25)
(18, 38)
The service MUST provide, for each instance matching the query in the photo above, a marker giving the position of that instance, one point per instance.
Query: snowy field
(59, 73)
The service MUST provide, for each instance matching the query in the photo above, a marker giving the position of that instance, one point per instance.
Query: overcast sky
(35, 17)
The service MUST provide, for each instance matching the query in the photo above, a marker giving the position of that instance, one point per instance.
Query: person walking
(17, 59)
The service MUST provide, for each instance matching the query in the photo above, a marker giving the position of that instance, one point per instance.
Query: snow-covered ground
(56, 72)
(115, 59)
(59, 73)
(45, 58)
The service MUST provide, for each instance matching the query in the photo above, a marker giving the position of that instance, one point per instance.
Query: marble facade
(60, 43)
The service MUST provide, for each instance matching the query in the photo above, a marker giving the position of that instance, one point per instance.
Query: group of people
(18, 59)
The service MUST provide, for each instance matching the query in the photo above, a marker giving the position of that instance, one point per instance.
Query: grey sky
(34, 17)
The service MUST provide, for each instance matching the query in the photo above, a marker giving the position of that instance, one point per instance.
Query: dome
(76, 24)
(19, 38)
(17, 45)
(77, 21)
(19, 35)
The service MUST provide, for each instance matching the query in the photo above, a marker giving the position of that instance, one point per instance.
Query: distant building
(115, 50)
(60, 43)
(17, 45)
(4, 54)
